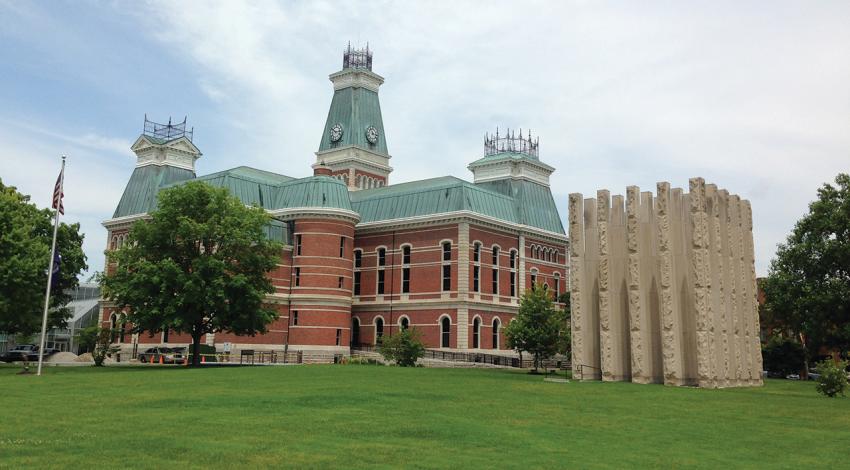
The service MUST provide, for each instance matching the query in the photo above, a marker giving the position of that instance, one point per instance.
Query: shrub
(102, 347)
(833, 379)
(404, 348)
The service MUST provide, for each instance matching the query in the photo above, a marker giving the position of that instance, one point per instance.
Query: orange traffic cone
(186, 361)
(161, 361)
(203, 359)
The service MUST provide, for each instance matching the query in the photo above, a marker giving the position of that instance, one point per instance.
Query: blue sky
(752, 96)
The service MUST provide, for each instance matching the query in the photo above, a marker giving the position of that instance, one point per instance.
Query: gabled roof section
(181, 143)
(140, 193)
(250, 185)
(527, 203)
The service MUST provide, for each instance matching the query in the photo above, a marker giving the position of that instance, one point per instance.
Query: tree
(783, 355)
(26, 233)
(198, 265)
(537, 327)
(404, 349)
(565, 339)
(808, 285)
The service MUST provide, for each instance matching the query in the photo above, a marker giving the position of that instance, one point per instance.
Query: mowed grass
(370, 416)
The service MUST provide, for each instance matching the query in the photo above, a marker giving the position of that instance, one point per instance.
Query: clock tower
(353, 145)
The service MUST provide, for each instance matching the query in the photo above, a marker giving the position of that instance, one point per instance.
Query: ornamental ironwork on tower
(357, 58)
(511, 143)
(167, 131)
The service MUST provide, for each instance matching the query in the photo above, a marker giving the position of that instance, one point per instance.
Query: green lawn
(369, 416)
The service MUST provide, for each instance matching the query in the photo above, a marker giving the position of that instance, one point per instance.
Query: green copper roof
(278, 231)
(355, 109)
(518, 202)
(140, 193)
(250, 185)
(534, 203)
(313, 191)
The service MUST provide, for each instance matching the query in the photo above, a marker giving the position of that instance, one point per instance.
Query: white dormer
(179, 152)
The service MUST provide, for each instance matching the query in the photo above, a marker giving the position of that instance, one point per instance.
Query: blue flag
(57, 260)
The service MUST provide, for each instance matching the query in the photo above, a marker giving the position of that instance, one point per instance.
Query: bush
(833, 379)
(404, 348)
(783, 355)
(102, 347)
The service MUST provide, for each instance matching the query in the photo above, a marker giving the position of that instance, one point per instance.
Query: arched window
(476, 252)
(355, 332)
(513, 273)
(123, 331)
(113, 321)
(557, 256)
(496, 325)
(404, 323)
(476, 333)
(496, 270)
(447, 251)
(557, 285)
(447, 266)
(533, 278)
(379, 330)
(445, 332)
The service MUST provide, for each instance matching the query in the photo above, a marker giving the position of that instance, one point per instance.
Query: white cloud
(753, 97)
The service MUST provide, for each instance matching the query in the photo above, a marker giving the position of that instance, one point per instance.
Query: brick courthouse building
(363, 257)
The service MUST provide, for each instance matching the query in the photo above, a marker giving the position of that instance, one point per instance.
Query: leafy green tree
(198, 265)
(808, 286)
(404, 348)
(833, 378)
(538, 326)
(565, 339)
(783, 355)
(26, 233)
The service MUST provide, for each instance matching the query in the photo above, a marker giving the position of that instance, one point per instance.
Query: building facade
(363, 258)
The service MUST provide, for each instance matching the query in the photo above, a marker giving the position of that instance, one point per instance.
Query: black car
(23, 352)
(167, 355)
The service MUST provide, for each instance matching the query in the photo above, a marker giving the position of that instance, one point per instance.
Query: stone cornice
(123, 222)
(356, 78)
(321, 212)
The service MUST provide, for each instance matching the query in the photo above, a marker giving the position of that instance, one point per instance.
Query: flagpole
(50, 270)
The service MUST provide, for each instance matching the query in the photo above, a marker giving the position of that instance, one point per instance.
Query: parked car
(168, 355)
(25, 351)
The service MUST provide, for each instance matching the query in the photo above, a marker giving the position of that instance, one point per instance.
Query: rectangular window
(447, 251)
(405, 280)
(475, 278)
(165, 335)
(476, 253)
(513, 259)
(513, 284)
(298, 245)
(447, 277)
(338, 336)
(341, 247)
(496, 281)
(340, 282)
(357, 283)
(295, 317)
(557, 287)
(381, 282)
(405, 257)
(495, 256)
(382, 256)
(297, 277)
(358, 259)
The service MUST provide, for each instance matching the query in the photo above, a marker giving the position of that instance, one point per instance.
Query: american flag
(58, 194)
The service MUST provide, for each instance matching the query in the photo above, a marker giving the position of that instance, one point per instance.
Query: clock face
(371, 134)
(336, 132)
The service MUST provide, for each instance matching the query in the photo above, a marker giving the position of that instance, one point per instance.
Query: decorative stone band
(320, 212)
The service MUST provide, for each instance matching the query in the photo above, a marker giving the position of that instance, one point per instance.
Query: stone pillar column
(521, 267)
(463, 285)
(701, 282)
(670, 323)
(755, 341)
